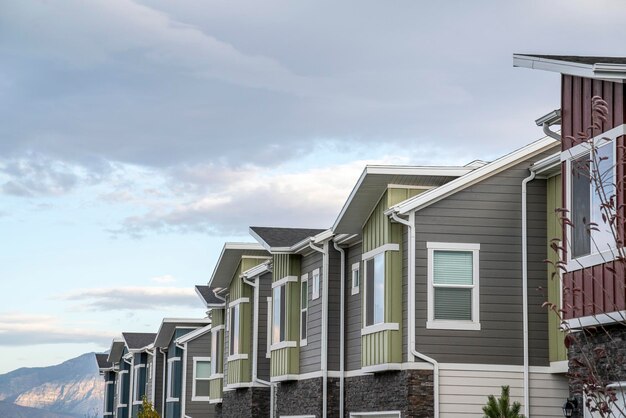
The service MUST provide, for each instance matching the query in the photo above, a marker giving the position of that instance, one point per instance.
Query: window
(375, 289)
(202, 369)
(278, 314)
(234, 330)
(453, 301)
(121, 383)
(137, 393)
(304, 308)
(585, 200)
(356, 278)
(173, 368)
(268, 336)
(316, 284)
(216, 350)
(148, 377)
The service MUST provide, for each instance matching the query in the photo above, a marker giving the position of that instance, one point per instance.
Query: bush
(147, 410)
(501, 408)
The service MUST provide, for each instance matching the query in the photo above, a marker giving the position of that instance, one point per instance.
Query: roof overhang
(169, 325)
(376, 179)
(229, 259)
(258, 270)
(193, 335)
(602, 71)
(547, 167)
(427, 198)
(211, 305)
(116, 350)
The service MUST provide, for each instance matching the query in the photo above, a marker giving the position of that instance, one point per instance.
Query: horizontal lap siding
(489, 213)
(200, 347)
(464, 392)
(353, 311)
(334, 307)
(310, 354)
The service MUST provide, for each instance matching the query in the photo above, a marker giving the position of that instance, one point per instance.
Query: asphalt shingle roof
(581, 59)
(208, 295)
(284, 237)
(136, 340)
(102, 360)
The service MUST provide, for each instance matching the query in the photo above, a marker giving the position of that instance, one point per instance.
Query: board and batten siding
(489, 213)
(353, 318)
(265, 291)
(199, 347)
(463, 392)
(216, 384)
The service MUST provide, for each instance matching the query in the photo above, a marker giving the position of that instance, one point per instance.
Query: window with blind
(453, 291)
(201, 374)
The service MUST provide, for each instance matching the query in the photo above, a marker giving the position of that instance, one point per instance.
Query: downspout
(183, 394)
(412, 352)
(324, 354)
(525, 290)
(551, 134)
(341, 327)
(163, 388)
(255, 342)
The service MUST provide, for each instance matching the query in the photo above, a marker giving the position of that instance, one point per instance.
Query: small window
(304, 308)
(120, 388)
(453, 286)
(136, 380)
(216, 351)
(278, 314)
(268, 336)
(375, 290)
(234, 330)
(356, 278)
(315, 290)
(202, 369)
(173, 368)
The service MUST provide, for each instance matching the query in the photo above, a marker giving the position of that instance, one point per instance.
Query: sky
(137, 136)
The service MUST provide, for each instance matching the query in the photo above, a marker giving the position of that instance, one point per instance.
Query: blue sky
(136, 137)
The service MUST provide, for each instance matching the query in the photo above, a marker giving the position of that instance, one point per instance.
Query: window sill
(283, 344)
(200, 399)
(454, 325)
(303, 343)
(236, 357)
(384, 326)
(216, 376)
(592, 260)
(172, 400)
(137, 403)
(355, 291)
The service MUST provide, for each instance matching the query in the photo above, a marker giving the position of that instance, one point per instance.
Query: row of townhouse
(423, 298)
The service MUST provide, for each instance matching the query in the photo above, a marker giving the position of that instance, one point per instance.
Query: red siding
(598, 289)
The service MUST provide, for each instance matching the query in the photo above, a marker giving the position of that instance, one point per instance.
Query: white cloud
(133, 298)
(165, 279)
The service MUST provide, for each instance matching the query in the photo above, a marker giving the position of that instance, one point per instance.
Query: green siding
(217, 317)
(238, 371)
(286, 360)
(386, 346)
(556, 336)
(215, 389)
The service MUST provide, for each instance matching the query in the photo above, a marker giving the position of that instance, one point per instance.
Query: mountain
(70, 389)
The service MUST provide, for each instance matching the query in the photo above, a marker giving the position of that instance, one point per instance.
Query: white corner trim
(283, 344)
(453, 325)
(383, 326)
(235, 357)
(595, 320)
(381, 249)
(284, 280)
(238, 301)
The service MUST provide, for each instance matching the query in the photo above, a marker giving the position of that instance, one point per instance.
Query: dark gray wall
(200, 347)
(334, 306)
(353, 312)
(265, 291)
(489, 213)
(310, 354)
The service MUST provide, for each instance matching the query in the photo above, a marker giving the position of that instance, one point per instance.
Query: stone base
(304, 397)
(407, 391)
(247, 402)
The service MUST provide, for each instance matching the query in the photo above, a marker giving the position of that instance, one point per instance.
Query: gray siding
(334, 307)
(353, 312)
(265, 291)
(157, 372)
(489, 213)
(310, 354)
(200, 347)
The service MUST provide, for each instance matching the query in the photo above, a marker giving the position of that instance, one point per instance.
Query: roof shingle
(284, 237)
(136, 340)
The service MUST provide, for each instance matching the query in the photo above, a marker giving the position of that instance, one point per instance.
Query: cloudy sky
(137, 136)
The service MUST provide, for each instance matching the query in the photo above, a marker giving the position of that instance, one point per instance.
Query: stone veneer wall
(407, 391)
(604, 347)
(242, 403)
(304, 397)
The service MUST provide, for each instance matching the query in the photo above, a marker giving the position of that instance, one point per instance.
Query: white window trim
(286, 317)
(374, 253)
(136, 384)
(285, 280)
(193, 385)
(304, 279)
(284, 344)
(369, 414)
(382, 249)
(238, 301)
(315, 289)
(107, 391)
(474, 324)
(230, 329)
(238, 356)
(119, 389)
(382, 326)
(170, 380)
(268, 343)
(355, 289)
(595, 258)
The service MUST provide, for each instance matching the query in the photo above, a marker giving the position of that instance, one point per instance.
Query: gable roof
(103, 361)
(374, 181)
(116, 350)
(605, 68)
(138, 340)
(193, 334)
(229, 260)
(169, 325)
(281, 239)
(427, 198)
(208, 296)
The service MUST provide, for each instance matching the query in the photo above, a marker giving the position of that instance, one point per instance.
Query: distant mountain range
(72, 389)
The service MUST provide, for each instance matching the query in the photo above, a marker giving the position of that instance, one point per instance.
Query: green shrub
(502, 408)
(147, 410)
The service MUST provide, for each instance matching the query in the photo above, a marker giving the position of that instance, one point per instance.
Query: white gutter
(525, 291)
(411, 340)
(324, 353)
(341, 328)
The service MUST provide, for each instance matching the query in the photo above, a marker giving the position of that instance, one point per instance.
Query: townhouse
(589, 289)
(105, 368)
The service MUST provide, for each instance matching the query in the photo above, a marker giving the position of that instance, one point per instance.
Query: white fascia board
(427, 198)
(260, 240)
(193, 334)
(547, 163)
(169, 324)
(603, 71)
(252, 246)
(257, 270)
(210, 305)
(323, 236)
